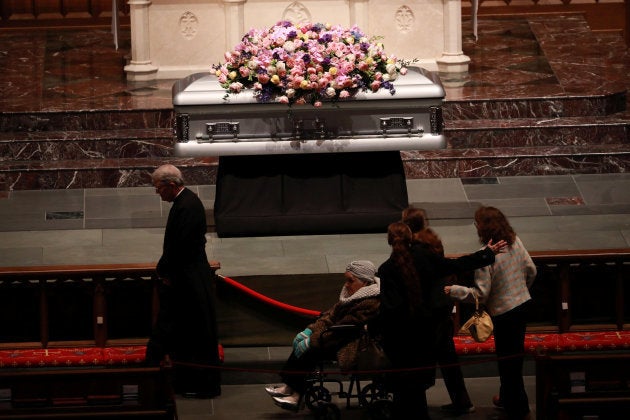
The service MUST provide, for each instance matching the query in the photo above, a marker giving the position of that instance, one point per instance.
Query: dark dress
(186, 326)
(409, 341)
(436, 271)
(411, 338)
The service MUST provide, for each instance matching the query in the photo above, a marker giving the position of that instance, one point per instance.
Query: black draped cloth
(309, 194)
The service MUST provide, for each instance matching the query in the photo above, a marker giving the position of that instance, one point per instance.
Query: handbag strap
(474, 293)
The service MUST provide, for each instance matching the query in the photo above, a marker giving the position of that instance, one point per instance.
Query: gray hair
(168, 173)
(363, 270)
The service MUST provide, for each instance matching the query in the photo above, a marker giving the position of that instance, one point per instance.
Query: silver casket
(302, 169)
(210, 122)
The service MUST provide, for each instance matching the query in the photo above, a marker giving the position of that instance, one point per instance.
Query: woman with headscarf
(358, 305)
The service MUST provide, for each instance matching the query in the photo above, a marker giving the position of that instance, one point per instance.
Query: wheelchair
(364, 391)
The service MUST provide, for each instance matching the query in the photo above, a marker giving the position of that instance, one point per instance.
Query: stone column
(359, 14)
(234, 22)
(140, 67)
(453, 59)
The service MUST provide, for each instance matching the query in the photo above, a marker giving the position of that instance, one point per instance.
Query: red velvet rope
(270, 301)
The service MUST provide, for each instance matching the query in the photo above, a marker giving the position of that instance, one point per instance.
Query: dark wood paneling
(60, 13)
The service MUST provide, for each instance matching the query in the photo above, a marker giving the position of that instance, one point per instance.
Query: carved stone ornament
(188, 25)
(296, 12)
(404, 19)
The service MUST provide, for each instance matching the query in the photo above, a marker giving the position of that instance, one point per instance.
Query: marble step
(461, 134)
(515, 161)
(449, 163)
(535, 132)
(99, 173)
(69, 120)
(85, 144)
(125, 157)
(607, 103)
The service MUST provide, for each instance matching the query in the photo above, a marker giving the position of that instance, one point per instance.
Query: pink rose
(236, 87)
(375, 85)
(244, 71)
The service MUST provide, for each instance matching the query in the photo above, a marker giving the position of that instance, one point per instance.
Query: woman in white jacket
(503, 287)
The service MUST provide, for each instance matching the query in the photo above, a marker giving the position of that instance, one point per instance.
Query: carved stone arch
(296, 12)
(188, 25)
(404, 18)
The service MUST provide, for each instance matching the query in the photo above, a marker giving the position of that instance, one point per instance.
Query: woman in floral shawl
(358, 304)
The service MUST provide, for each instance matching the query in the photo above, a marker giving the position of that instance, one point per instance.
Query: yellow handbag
(480, 325)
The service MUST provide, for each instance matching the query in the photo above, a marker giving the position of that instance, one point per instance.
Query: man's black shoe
(457, 410)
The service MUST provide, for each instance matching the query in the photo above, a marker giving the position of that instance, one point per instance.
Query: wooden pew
(571, 386)
(103, 393)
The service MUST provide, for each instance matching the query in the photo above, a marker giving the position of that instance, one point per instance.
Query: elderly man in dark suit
(186, 329)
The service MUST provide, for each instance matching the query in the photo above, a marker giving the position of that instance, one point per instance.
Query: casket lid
(204, 89)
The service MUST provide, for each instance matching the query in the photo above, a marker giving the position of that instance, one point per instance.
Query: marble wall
(543, 96)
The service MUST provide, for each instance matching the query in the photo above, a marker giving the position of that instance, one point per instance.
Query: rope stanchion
(268, 300)
(348, 372)
(314, 314)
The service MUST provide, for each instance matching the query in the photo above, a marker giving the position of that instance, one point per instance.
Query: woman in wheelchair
(358, 304)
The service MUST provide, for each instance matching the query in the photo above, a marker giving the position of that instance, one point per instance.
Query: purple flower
(325, 38)
(304, 64)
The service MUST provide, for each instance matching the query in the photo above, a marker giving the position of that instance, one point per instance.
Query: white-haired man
(186, 327)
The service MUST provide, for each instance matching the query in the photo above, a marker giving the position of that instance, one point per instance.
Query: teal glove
(300, 348)
(302, 336)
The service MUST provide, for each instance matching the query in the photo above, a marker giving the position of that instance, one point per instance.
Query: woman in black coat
(437, 271)
(413, 313)
(407, 327)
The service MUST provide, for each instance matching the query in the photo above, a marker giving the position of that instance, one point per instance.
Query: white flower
(289, 46)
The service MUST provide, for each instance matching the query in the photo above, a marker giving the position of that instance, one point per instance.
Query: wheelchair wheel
(327, 411)
(381, 409)
(372, 392)
(315, 395)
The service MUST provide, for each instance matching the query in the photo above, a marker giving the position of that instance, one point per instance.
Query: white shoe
(290, 402)
(278, 390)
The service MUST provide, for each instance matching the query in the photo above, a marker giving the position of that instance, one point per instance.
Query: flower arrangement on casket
(308, 63)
